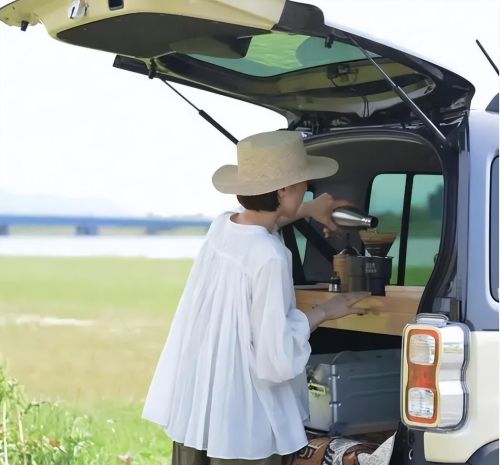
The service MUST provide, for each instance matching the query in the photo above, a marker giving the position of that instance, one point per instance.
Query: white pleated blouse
(231, 377)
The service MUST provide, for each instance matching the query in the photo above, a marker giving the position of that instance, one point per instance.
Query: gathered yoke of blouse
(231, 377)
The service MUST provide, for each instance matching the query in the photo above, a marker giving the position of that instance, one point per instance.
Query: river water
(420, 252)
(100, 246)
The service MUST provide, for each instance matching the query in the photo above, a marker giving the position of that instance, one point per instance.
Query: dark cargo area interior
(387, 157)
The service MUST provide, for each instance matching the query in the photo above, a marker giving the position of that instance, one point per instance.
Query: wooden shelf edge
(385, 315)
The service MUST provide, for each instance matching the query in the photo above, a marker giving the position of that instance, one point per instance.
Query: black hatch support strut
(302, 225)
(152, 74)
(492, 63)
(402, 95)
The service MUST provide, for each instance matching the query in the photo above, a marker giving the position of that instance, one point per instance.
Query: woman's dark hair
(268, 202)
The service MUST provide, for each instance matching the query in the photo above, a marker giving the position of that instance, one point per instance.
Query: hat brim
(226, 179)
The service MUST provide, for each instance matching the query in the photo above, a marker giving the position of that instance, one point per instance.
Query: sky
(73, 126)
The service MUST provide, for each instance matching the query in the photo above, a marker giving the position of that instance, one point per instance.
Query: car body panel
(487, 455)
(481, 309)
(481, 426)
(53, 14)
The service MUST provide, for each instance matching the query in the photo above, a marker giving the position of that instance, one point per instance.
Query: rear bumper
(486, 455)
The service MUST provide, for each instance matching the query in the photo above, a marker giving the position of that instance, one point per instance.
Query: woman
(230, 385)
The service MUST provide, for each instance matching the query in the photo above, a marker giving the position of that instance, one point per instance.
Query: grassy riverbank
(86, 333)
(59, 433)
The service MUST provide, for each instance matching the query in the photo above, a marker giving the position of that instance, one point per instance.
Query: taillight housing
(434, 391)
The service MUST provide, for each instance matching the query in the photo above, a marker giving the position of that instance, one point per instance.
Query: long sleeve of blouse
(280, 331)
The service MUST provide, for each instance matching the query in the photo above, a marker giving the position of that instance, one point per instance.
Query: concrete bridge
(89, 225)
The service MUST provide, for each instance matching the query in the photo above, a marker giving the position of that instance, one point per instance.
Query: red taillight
(434, 393)
(421, 389)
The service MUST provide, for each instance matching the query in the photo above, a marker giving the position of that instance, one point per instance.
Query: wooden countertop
(385, 315)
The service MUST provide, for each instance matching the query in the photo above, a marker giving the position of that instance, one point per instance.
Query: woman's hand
(341, 305)
(321, 210)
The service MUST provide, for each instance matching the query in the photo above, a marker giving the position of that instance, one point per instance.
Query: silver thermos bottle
(353, 218)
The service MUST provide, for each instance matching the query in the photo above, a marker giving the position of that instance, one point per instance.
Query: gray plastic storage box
(354, 392)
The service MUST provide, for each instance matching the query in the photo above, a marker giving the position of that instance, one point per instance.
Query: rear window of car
(410, 205)
(494, 230)
(278, 53)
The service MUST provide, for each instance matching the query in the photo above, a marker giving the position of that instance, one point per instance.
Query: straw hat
(269, 161)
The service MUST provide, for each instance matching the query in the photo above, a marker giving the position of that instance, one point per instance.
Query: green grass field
(98, 372)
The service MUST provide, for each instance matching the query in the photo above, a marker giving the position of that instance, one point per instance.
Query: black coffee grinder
(378, 266)
(357, 272)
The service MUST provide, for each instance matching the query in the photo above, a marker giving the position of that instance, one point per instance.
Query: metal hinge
(78, 9)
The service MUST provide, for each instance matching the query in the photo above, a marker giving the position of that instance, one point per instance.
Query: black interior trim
(290, 240)
(445, 268)
(130, 64)
(316, 239)
(150, 35)
(405, 226)
(300, 18)
(115, 4)
(493, 105)
(331, 340)
(493, 220)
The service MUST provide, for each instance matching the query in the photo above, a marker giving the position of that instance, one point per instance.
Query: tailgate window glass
(278, 53)
(386, 203)
(424, 232)
(410, 205)
(494, 230)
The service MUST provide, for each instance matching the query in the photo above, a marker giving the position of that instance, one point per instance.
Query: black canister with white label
(378, 272)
